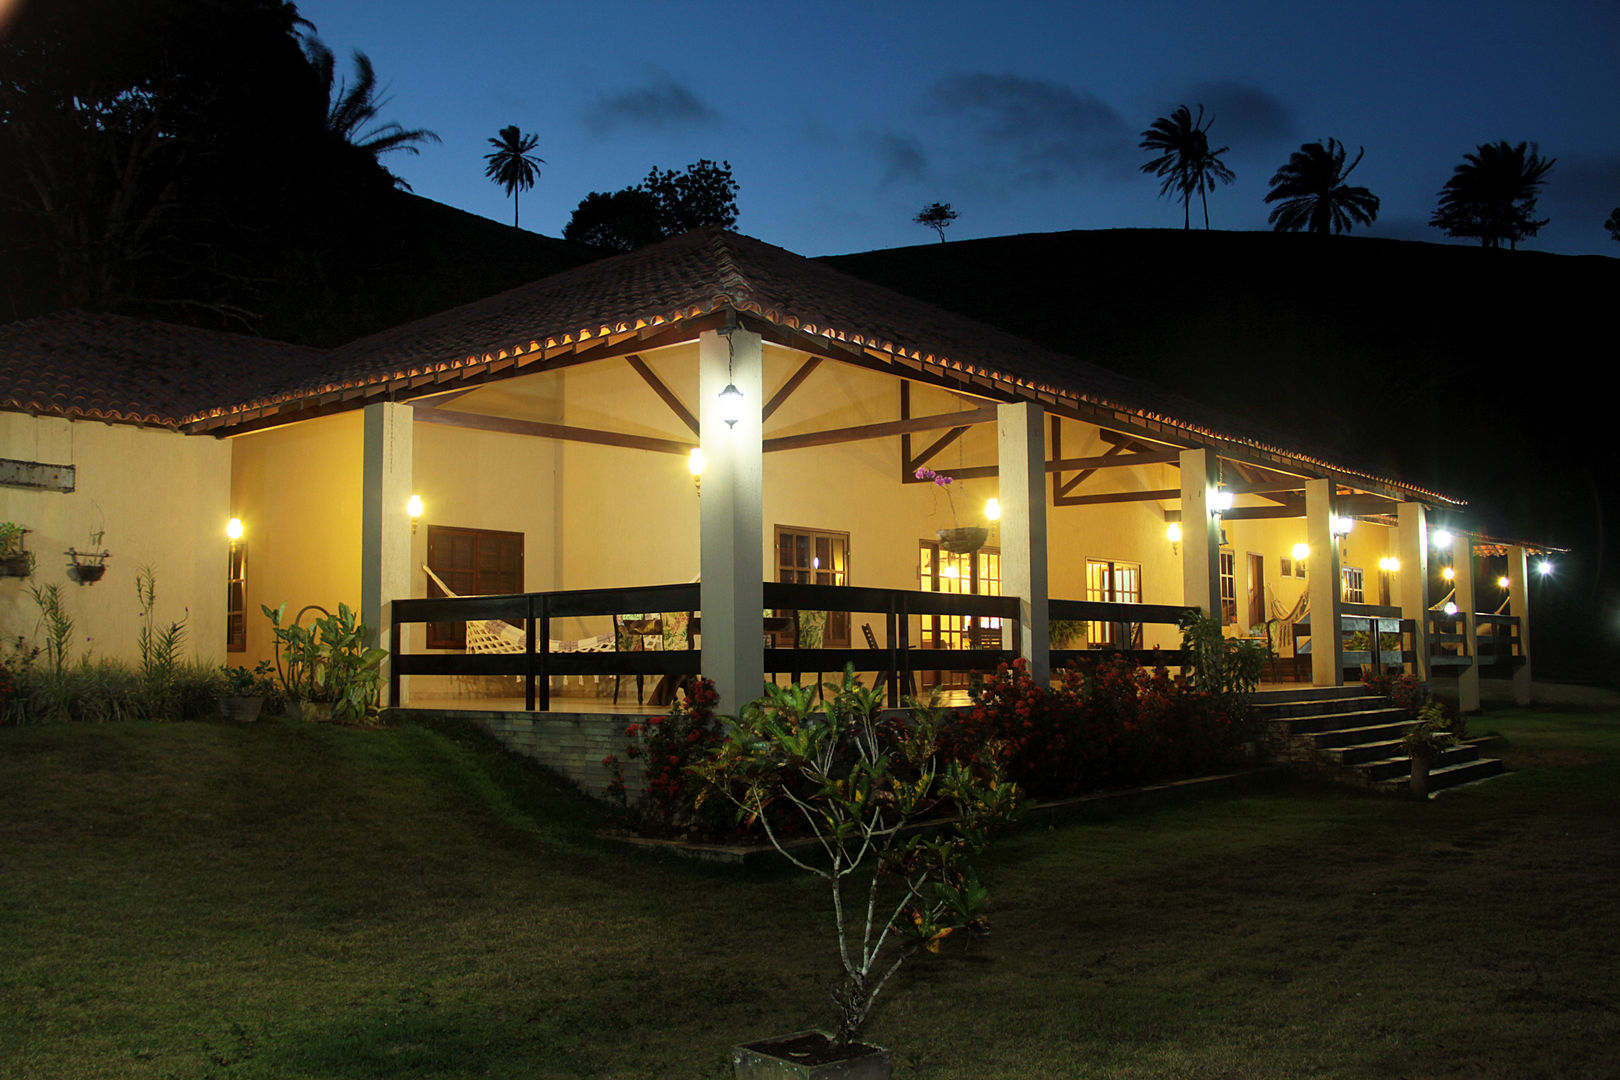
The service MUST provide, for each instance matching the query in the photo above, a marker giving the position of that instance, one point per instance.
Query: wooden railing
(895, 658)
(1497, 640)
(1375, 621)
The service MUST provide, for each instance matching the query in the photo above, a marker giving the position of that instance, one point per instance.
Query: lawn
(286, 901)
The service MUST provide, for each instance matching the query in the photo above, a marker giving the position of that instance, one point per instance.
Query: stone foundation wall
(571, 744)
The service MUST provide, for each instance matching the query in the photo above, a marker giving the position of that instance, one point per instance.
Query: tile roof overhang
(664, 294)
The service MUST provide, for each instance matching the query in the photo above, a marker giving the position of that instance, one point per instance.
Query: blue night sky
(842, 120)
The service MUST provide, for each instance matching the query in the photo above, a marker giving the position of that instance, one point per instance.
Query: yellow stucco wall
(297, 490)
(160, 500)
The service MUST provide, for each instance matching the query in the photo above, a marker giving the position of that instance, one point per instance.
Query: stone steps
(1355, 738)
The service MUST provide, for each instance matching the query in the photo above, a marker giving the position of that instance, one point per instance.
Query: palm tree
(1186, 162)
(512, 165)
(1492, 194)
(1313, 193)
(352, 109)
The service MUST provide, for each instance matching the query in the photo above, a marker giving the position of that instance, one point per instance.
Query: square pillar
(385, 527)
(1021, 461)
(731, 528)
(1519, 605)
(1200, 532)
(1324, 586)
(1462, 561)
(1412, 548)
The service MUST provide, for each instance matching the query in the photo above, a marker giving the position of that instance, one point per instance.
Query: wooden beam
(675, 406)
(509, 426)
(1123, 496)
(1113, 461)
(881, 431)
(939, 444)
(794, 382)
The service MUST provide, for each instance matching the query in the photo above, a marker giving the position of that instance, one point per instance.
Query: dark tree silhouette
(1613, 223)
(352, 109)
(511, 163)
(1312, 194)
(1185, 162)
(667, 203)
(937, 216)
(1492, 194)
(618, 222)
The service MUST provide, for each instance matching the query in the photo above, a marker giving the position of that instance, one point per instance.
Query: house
(546, 434)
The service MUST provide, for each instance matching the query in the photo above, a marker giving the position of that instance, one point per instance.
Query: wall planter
(963, 541)
(17, 565)
(242, 710)
(809, 1055)
(87, 567)
(15, 560)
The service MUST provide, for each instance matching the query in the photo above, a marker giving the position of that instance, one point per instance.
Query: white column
(732, 538)
(1519, 604)
(385, 527)
(1200, 532)
(1021, 461)
(1462, 561)
(1323, 581)
(1412, 548)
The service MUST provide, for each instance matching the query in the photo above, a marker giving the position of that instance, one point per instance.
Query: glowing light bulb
(992, 510)
(1302, 552)
(1451, 608)
(731, 404)
(1173, 533)
(1449, 574)
(695, 461)
(233, 528)
(413, 506)
(1544, 567)
(1220, 501)
(1442, 538)
(1503, 582)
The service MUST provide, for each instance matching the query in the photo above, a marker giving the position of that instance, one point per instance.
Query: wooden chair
(631, 635)
(887, 675)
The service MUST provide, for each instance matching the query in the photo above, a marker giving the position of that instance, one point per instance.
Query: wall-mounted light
(1442, 538)
(1544, 567)
(233, 529)
(413, 507)
(1389, 564)
(1451, 607)
(1220, 502)
(695, 461)
(1503, 582)
(731, 404)
(992, 510)
(1449, 574)
(1301, 552)
(1341, 526)
(1173, 534)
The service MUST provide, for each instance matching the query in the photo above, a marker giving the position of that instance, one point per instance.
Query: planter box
(16, 566)
(801, 1056)
(243, 710)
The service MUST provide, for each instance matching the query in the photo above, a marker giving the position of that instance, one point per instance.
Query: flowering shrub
(1115, 724)
(667, 802)
(1407, 691)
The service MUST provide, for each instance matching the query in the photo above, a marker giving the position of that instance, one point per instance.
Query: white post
(1519, 604)
(1413, 550)
(385, 527)
(1021, 460)
(1323, 581)
(1462, 561)
(1200, 532)
(732, 538)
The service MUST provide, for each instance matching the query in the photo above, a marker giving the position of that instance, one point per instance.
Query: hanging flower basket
(963, 541)
(87, 566)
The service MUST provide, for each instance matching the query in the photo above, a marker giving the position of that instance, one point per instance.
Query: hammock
(500, 636)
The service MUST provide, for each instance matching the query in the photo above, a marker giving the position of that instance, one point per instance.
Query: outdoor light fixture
(694, 465)
(1220, 502)
(1544, 567)
(1389, 564)
(1442, 538)
(731, 403)
(992, 510)
(233, 529)
(1173, 534)
(1503, 582)
(413, 507)
(1301, 552)
(1449, 574)
(1451, 607)
(1341, 526)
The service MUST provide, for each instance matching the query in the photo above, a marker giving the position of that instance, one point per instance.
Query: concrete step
(1448, 776)
(1324, 706)
(1373, 733)
(1306, 693)
(1394, 766)
(1304, 725)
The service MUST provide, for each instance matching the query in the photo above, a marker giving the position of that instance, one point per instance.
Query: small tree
(512, 163)
(1492, 195)
(859, 782)
(937, 216)
(667, 203)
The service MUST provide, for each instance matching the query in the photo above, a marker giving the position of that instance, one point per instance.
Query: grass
(283, 900)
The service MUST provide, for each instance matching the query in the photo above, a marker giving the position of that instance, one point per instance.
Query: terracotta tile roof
(129, 370)
(109, 367)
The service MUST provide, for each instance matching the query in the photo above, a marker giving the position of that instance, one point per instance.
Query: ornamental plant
(669, 802)
(858, 783)
(941, 481)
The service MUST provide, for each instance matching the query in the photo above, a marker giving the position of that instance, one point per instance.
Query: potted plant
(958, 541)
(860, 783)
(243, 692)
(326, 668)
(15, 561)
(88, 567)
(1429, 737)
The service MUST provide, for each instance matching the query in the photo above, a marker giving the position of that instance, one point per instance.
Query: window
(470, 562)
(1116, 583)
(1228, 589)
(1354, 590)
(975, 574)
(236, 600)
(815, 557)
